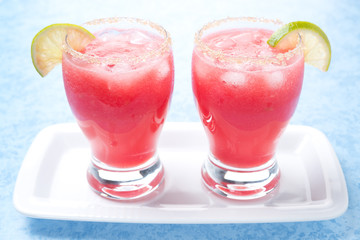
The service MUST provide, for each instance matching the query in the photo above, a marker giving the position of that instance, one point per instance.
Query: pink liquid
(244, 107)
(120, 107)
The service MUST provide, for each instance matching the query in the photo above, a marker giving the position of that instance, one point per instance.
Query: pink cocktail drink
(120, 108)
(119, 89)
(246, 93)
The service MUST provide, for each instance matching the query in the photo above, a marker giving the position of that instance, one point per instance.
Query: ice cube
(242, 37)
(139, 38)
(275, 79)
(201, 68)
(121, 67)
(163, 70)
(224, 44)
(110, 32)
(234, 78)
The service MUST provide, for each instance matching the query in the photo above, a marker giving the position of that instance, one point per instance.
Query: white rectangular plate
(52, 182)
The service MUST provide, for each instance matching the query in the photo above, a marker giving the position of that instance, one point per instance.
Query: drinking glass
(119, 89)
(245, 93)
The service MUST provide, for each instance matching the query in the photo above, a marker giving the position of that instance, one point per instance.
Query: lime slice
(47, 45)
(315, 43)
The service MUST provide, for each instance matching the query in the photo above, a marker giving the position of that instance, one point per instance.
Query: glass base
(241, 184)
(125, 184)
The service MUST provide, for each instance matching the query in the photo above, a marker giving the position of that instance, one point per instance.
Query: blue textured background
(330, 102)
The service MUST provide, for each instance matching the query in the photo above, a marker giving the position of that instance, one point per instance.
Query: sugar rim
(279, 58)
(164, 46)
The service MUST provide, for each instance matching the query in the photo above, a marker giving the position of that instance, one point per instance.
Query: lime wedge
(47, 45)
(315, 43)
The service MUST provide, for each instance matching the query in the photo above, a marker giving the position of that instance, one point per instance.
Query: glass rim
(278, 58)
(163, 47)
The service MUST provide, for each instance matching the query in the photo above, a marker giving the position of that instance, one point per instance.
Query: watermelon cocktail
(119, 89)
(246, 93)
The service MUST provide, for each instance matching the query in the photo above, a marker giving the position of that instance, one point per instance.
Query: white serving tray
(52, 182)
